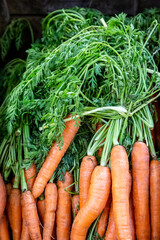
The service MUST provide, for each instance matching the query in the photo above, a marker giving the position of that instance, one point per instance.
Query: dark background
(35, 10)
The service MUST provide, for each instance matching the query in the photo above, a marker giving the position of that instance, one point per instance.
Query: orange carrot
(63, 214)
(41, 208)
(30, 175)
(31, 215)
(8, 205)
(120, 191)
(4, 232)
(111, 229)
(16, 213)
(50, 209)
(132, 221)
(102, 224)
(25, 232)
(97, 197)
(54, 157)
(3, 196)
(87, 166)
(75, 205)
(155, 199)
(140, 174)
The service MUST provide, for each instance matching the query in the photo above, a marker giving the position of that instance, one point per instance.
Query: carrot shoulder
(41, 208)
(140, 174)
(53, 159)
(120, 191)
(155, 199)
(98, 195)
(3, 196)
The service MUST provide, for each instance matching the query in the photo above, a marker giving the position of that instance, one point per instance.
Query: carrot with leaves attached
(155, 199)
(3, 196)
(140, 174)
(75, 205)
(120, 191)
(30, 176)
(4, 232)
(50, 210)
(30, 210)
(41, 208)
(54, 157)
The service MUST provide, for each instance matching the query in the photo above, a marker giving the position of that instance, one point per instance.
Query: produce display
(80, 132)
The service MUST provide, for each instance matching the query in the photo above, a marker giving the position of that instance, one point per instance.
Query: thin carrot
(3, 196)
(155, 199)
(4, 232)
(120, 191)
(50, 209)
(63, 214)
(102, 223)
(131, 215)
(54, 157)
(140, 174)
(98, 195)
(8, 205)
(41, 208)
(30, 176)
(87, 166)
(111, 228)
(25, 232)
(75, 205)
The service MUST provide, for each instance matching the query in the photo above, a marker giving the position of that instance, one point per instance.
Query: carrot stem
(23, 181)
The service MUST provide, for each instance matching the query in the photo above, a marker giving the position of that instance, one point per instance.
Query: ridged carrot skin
(155, 199)
(111, 228)
(140, 174)
(30, 176)
(51, 196)
(8, 205)
(41, 210)
(87, 166)
(25, 232)
(120, 191)
(31, 215)
(102, 224)
(53, 159)
(98, 195)
(75, 205)
(4, 232)
(16, 213)
(63, 214)
(3, 196)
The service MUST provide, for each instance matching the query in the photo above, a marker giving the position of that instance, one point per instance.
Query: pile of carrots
(124, 204)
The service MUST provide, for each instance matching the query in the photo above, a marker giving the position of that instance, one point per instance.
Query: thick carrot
(98, 195)
(30, 176)
(87, 166)
(155, 199)
(50, 209)
(31, 215)
(75, 205)
(120, 191)
(41, 208)
(54, 157)
(102, 224)
(8, 205)
(140, 174)
(111, 228)
(25, 232)
(3, 196)
(4, 232)
(63, 214)
(16, 213)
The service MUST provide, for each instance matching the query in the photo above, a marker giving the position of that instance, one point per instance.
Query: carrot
(140, 174)
(155, 199)
(120, 191)
(16, 213)
(87, 166)
(25, 232)
(4, 232)
(132, 221)
(97, 197)
(63, 214)
(8, 205)
(30, 175)
(3, 196)
(75, 205)
(54, 157)
(102, 224)
(111, 229)
(50, 209)
(41, 208)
